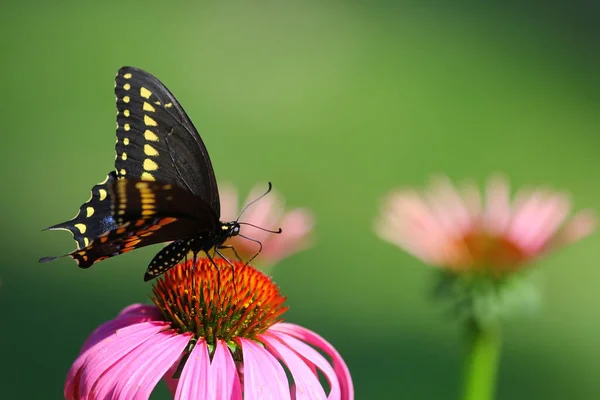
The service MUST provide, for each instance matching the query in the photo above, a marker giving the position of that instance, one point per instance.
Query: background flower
(457, 229)
(268, 213)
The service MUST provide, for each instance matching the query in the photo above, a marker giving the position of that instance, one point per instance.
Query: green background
(336, 103)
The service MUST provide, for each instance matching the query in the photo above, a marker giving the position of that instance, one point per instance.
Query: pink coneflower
(455, 229)
(212, 334)
(268, 213)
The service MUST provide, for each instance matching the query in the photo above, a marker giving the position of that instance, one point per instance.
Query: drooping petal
(152, 364)
(136, 374)
(224, 382)
(96, 360)
(131, 315)
(194, 380)
(264, 377)
(306, 383)
(339, 366)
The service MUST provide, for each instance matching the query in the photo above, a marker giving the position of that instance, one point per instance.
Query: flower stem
(481, 364)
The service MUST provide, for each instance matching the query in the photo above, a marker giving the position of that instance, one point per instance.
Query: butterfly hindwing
(94, 216)
(141, 213)
(156, 140)
(133, 235)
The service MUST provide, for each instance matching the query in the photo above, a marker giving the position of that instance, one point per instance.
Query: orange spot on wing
(132, 243)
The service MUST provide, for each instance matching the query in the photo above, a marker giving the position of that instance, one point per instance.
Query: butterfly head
(230, 228)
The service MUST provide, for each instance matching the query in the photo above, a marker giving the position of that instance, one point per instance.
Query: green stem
(481, 364)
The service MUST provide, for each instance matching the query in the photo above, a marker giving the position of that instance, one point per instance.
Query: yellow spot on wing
(148, 107)
(150, 165)
(89, 211)
(127, 76)
(102, 194)
(122, 172)
(150, 151)
(127, 127)
(149, 121)
(169, 105)
(151, 136)
(126, 141)
(82, 228)
(147, 212)
(86, 242)
(127, 86)
(124, 156)
(145, 93)
(147, 176)
(126, 113)
(126, 99)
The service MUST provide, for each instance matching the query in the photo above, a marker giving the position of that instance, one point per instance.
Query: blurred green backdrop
(336, 103)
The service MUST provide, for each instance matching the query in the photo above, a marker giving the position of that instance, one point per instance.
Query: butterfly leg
(211, 259)
(232, 249)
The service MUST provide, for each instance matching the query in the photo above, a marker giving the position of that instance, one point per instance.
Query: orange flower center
(478, 251)
(218, 301)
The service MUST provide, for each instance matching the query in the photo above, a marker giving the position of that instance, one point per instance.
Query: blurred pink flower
(268, 213)
(225, 341)
(454, 228)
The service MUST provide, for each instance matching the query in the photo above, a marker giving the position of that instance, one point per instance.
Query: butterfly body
(202, 242)
(163, 188)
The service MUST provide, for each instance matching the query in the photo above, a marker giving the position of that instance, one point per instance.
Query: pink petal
(229, 201)
(408, 223)
(224, 382)
(136, 374)
(341, 370)
(579, 226)
(140, 310)
(448, 207)
(306, 383)
(264, 377)
(129, 316)
(296, 227)
(194, 380)
(92, 363)
(550, 216)
(152, 365)
(497, 211)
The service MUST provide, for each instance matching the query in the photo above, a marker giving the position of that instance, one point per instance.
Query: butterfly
(163, 188)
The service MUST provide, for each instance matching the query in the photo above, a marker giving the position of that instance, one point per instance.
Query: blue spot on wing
(108, 224)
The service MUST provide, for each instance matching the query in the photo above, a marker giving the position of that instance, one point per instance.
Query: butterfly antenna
(258, 227)
(254, 201)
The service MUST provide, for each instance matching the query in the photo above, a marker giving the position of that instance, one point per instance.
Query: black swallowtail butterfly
(163, 187)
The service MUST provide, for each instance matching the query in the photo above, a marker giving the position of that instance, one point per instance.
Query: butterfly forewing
(156, 141)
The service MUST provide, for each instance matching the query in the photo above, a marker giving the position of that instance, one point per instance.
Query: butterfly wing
(94, 216)
(156, 141)
(143, 213)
